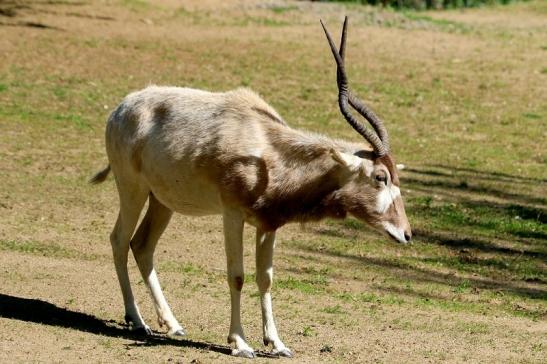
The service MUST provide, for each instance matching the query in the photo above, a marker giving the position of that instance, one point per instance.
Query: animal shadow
(42, 312)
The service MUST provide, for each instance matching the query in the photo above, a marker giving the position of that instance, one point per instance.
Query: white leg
(233, 236)
(132, 199)
(143, 245)
(165, 315)
(265, 243)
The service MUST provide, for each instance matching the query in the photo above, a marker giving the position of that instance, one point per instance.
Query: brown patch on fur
(269, 115)
(387, 160)
(161, 111)
(272, 193)
(300, 195)
(245, 177)
(136, 155)
(239, 283)
(293, 181)
(391, 213)
(360, 205)
(132, 119)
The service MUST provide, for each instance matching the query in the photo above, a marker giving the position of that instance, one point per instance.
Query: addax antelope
(200, 153)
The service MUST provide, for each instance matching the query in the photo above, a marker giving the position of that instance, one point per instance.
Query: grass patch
(308, 331)
(335, 310)
(353, 224)
(509, 220)
(452, 306)
(443, 24)
(50, 250)
(312, 285)
(473, 328)
(137, 5)
(261, 21)
(176, 267)
(531, 115)
(74, 119)
(369, 297)
(463, 287)
(280, 9)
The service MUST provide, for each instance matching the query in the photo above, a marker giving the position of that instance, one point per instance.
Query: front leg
(265, 243)
(233, 241)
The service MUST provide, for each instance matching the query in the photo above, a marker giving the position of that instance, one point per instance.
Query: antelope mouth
(393, 237)
(394, 233)
(396, 238)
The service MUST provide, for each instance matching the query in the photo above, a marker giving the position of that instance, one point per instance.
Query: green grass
(261, 21)
(312, 285)
(176, 267)
(137, 5)
(473, 328)
(50, 120)
(51, 250)
(279, 9)
(531, 115)
(463, 287)
(335, 310)
(369, 297)
(308, 331)
(443, 24)
(485, 219)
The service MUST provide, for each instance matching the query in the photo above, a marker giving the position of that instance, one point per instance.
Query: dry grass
(463, 94)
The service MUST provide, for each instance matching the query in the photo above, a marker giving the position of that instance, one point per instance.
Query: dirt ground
(463, 94)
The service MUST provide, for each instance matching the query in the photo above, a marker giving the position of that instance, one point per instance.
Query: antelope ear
(400, 167)
(350, 161)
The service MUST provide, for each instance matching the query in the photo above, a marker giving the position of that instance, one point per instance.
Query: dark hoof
(142, 331)
(244, 354)
(128, 319)
(285, 353)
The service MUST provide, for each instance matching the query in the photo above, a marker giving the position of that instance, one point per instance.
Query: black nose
(408, 236)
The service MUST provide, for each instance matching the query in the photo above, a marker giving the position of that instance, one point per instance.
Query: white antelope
(202, 153)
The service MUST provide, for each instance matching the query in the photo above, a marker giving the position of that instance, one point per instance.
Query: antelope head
(372, 192)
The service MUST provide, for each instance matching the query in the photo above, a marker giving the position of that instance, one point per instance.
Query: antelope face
(372, 194)
(389, 214)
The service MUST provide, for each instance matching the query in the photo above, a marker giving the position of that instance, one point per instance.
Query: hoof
(176, 333)
(128, 319)
(139, 330)
(244, 353)
(142, 331)
(284, 353)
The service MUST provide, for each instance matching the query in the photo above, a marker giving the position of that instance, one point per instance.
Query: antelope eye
(381, 177)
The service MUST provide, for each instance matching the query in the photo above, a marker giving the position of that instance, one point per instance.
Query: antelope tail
(100, 176)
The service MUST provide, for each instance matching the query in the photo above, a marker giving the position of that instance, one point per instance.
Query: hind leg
(143, 245)
(132, 199)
